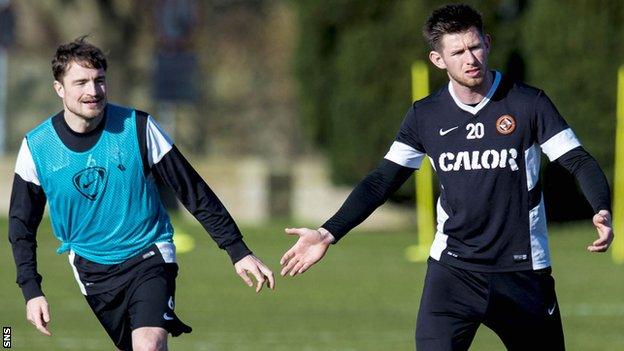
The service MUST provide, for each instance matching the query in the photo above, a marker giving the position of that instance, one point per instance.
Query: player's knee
(150, 344)
(149, 339)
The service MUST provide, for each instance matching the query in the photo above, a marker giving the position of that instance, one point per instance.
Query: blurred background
(283, 106)
(279, 102)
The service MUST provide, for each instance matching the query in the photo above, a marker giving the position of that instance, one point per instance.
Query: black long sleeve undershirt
(590, 177)
(193, 192)
(370, 193)
(27, 207)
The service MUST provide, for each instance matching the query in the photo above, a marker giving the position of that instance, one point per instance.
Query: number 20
(475, 130)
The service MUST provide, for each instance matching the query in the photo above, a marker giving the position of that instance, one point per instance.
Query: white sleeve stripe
(560, 143)
(25, 165)
(158, 142)
(405, 155)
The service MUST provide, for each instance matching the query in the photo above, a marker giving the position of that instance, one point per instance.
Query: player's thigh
(451, 308)
(444, 333)
(525, 313)
(149, 339)
(110, 310)
(152, 301)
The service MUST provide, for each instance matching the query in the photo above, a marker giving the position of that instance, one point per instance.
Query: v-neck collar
(475, 109)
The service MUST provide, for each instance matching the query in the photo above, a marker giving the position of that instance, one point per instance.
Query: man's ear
(436, 58)
(487, 40)
(60, 90)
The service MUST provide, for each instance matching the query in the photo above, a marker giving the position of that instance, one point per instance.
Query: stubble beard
(86, 113)
(469, 82)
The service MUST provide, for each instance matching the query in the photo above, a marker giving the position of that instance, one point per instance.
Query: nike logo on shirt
(445, 132)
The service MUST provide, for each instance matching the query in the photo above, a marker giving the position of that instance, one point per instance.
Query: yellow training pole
(424, 179)
(618, 179)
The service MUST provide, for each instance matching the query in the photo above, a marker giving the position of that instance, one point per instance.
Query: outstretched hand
(262, 273)
(38, 313)
(309, 249)
(602, 222)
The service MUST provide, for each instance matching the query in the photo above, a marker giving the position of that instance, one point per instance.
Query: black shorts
(147, 299)
(520, 307)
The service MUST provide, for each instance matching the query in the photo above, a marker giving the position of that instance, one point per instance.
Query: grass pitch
(363, 296)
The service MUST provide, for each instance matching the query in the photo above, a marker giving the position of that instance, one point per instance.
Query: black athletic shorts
(146, 299)
(520, 307)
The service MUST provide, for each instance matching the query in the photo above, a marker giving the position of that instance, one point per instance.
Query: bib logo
(90, 181)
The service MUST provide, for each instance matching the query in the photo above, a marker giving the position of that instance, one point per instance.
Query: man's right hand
(309, 249)
(38, 313)
(602, 222)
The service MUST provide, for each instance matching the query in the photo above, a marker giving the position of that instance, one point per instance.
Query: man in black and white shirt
(483, 134)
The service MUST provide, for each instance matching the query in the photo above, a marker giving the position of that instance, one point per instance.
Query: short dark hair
(79, 51)
(449, 19)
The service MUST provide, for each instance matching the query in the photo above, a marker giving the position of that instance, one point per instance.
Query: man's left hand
(602, 222)
(262, 273)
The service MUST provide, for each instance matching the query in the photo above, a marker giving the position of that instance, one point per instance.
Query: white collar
(474, 110)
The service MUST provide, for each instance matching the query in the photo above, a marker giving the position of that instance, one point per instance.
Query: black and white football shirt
(490, 213)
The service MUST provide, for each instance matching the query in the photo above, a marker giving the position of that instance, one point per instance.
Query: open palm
(309, 249)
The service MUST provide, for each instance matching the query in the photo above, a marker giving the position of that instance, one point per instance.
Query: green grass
(363, 296)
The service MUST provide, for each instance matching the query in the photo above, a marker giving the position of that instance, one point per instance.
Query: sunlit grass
(363, 296)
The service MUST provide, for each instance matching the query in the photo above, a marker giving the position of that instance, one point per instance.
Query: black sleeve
(589, 176)
(25, 212)
(177, 173)
(369, 194)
